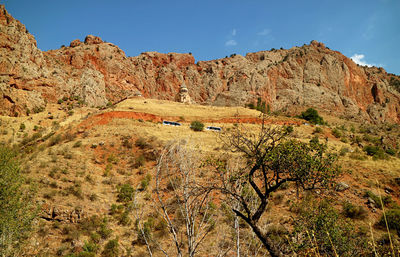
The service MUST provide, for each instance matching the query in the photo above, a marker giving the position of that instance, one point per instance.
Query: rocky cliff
(97, 72)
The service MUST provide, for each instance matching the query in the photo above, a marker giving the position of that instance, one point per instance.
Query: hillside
(96, 72)
(84, 126)
(79, 159)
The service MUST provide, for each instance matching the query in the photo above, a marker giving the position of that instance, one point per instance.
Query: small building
(183, 95)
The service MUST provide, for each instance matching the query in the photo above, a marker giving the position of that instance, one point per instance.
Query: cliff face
(98, 72)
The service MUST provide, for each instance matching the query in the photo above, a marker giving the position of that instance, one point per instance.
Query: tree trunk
(266, 242)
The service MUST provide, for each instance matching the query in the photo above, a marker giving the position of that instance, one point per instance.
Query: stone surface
(98, 72)
(342, 186)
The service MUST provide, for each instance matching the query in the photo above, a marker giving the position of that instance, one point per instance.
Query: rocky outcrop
(62, 214)
(97, 72)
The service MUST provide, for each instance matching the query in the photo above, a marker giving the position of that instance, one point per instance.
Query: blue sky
(368, 30)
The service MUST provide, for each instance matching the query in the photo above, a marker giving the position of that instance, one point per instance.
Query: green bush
(197, 126)
(22, 127)
(386, 199)
(354, 212)
(90, 247)
(375, 151)
(289, 129)
(17, 209)
(391, 151)
(145, 182)
(55, 140)
(318, 130)
(312, 116)
(318, 218)
(125, 193)
(336, 133)
(393, 219)
(104, 231)
(111, 249)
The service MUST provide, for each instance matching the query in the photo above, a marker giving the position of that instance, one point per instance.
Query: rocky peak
(91, 40)
(75, 43)
(315, 43)
(289, 80)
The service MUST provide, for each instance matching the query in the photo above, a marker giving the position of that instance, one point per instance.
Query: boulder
(90, 40)
(342, 186)
(75, 43)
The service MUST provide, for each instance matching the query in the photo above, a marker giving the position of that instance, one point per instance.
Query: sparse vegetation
(312, 116)
(17, 210)
(125, 193)
(197, 126)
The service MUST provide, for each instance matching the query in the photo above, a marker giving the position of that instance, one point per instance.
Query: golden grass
(189, 112)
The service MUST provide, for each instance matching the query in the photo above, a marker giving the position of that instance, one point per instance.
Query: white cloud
(359, 59)
(264, 32)
(231, 42)
(234, 32)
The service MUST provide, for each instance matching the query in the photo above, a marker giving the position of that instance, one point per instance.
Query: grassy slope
(82, 177)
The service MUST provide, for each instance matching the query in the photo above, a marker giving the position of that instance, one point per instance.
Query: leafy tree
(16, 209)
(312, 116)
(270, 160)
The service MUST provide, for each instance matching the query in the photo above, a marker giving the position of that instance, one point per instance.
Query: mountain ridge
(98, 73)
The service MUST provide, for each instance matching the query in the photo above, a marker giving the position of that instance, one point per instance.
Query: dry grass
(189, 112)
(84, 158)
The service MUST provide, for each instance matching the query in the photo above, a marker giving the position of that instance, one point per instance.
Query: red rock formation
(98, 72)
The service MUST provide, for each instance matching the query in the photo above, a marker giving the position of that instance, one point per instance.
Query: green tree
(312, 116)
(16, 209)
(270, 160)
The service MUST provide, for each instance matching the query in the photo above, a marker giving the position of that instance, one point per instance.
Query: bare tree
(185, 206)
(270, 161)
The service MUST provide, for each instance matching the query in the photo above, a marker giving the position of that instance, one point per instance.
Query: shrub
(391, 151)
(386, 200)
(261, 106)
(112, 159)
(314, 141)
(22, 127)
(111, 249)
(319, 219)
(104, 231)
(55, 140)
(343, 151)
(318, 130)
(289, 129)
(124, 219)
(141, 143)
(139, 162)
(77, 144)
(375, 151)
(145, 231)
(312, 116)
(127, 143)
(352, 211)
(145, 182)
(197, 126)
(90, 247)
(336, 133)
(125, 193)
(393, 220)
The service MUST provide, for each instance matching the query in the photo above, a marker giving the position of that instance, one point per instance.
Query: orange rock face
(97, 72)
